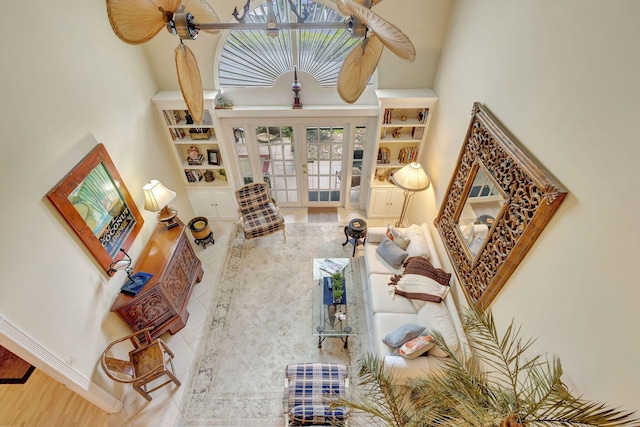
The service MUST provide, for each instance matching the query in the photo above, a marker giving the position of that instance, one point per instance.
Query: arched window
(251, 58)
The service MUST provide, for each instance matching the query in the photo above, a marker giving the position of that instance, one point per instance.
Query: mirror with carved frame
(498, 202)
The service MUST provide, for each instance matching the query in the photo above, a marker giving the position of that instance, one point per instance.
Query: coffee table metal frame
(329, 320)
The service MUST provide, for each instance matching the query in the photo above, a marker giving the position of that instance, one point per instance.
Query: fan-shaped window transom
(254, 58)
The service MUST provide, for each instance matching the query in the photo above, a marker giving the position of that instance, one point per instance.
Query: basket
(199, 133)
(199, 227)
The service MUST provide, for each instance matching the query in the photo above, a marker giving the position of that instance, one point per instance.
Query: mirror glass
(481, 208)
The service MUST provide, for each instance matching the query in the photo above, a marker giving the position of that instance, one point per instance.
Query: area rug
(260, 320)
(322, 214)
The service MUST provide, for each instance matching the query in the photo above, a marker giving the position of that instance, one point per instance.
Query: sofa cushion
(435, 317)
(418, 245)
(384, 323)
(418, 289)
(415, 347)
(393, 254)
(398, 237)
(402, 334)
(383, 300)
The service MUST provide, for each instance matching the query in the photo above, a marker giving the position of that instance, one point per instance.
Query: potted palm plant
(515, 391)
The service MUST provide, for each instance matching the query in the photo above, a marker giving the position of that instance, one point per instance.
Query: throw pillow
(397, 237)
(393, 254)
(419, 245)
(416, 347)
(403, 334)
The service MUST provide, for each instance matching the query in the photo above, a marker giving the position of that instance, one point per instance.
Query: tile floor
(163, 409)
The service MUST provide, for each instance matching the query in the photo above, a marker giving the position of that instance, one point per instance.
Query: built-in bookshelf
(199, 154)
(196, 146)
(405, 115)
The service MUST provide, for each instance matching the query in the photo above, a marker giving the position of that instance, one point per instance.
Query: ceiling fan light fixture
(137, 21)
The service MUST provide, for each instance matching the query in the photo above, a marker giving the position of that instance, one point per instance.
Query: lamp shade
(411, 177)
(157, 196)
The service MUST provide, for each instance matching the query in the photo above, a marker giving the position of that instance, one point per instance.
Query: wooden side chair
(308, 387)
(147, 363)
(259, 211)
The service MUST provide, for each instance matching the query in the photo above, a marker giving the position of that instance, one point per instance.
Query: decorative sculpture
(296, 87)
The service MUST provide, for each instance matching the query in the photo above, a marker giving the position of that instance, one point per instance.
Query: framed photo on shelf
(94, 201)
(213, 157)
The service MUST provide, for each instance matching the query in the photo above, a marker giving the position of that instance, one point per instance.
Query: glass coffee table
(330, 319)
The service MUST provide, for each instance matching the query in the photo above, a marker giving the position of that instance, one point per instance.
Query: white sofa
(386, 312)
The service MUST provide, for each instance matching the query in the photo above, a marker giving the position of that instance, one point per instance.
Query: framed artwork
(96, 204)
(213, 156)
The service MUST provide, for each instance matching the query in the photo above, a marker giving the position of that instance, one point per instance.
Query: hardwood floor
(42, 401)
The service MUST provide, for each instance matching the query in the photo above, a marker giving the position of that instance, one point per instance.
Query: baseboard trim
(25, 347)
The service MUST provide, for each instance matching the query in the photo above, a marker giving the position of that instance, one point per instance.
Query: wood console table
(162, 302)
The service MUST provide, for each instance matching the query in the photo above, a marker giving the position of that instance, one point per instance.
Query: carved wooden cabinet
(163, 301)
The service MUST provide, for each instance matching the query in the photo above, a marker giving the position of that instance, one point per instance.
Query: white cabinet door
(225, 203)
(213, 203)
(396, 199)
(378, 202)
(385, 202)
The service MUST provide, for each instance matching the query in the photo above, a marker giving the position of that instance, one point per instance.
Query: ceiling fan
(138, 21)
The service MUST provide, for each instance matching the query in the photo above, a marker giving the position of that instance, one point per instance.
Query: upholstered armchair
(308, 388)
(258, 210)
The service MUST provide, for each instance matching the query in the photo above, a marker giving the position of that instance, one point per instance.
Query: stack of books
(197, 161)
(193, 175)
(384, 155)
(407, 154)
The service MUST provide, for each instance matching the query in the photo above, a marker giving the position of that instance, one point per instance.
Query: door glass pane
(324, 163)
(242, 152)
(275, 148)
(360, 135)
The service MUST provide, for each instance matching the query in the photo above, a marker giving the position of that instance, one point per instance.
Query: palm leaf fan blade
(190, 81)
(358, 67)
(138, 21)
(203, 12)
(394, 39)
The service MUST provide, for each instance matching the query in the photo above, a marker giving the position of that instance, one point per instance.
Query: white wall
(563, 78)
(67, 84)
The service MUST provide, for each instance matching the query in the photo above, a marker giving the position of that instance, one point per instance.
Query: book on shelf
(422, 115)
(197, 161)
(193, 175)
(177, 133)
(384, 155)
(388, 116)
(407, 154)
(417, 133)
(172, 117)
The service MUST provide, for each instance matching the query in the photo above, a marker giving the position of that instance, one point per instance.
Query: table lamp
(411, 178)
(157, 198)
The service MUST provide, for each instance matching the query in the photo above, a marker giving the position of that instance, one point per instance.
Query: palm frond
(381, 398)
(498, 385)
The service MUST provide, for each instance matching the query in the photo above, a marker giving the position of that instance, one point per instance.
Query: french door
(305, 164)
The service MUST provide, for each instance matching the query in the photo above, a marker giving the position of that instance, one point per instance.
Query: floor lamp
(411, 178)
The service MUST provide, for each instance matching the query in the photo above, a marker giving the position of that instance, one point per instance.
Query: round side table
(355, 233)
